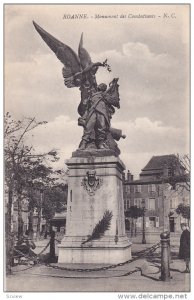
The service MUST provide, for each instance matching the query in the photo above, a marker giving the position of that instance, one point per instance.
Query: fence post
(165, 257)
(52, 247)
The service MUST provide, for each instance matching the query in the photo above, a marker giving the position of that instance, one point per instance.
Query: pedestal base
(94, 255)
(94, 191)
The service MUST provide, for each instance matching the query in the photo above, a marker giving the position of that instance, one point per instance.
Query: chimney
(129, 176)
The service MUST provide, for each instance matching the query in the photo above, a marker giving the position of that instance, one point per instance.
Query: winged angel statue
(97, 101)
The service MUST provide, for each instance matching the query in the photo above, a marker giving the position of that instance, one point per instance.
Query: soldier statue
(97, 103)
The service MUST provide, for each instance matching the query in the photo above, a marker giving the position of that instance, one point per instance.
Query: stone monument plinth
(94, 187)
(95, 196)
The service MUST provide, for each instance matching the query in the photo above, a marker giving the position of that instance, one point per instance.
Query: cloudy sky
(149, 55)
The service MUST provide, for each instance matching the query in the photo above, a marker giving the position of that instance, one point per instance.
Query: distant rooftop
(158, 162)
(158, 168)
(155, 167)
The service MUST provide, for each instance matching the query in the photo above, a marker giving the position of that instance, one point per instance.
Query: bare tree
(23, 167)
(179, 172)
(174, 179)
(184, 211)
(186, 163)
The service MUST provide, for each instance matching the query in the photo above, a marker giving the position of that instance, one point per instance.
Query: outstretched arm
(94, 66)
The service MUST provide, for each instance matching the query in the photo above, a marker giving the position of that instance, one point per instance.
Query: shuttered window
(151, 204)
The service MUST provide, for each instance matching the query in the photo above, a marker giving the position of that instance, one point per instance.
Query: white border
(85, 296)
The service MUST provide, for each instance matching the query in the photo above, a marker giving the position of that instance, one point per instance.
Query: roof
(160, 169)
(158, 162)
(163, 166)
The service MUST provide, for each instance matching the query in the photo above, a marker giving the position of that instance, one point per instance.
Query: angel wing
(65, 54)
(84, 56)
(77, 70)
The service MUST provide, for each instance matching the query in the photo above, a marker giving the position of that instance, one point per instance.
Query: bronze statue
(97, 102)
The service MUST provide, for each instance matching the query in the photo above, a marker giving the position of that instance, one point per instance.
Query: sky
(149, 55)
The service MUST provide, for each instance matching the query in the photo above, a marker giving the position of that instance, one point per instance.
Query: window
(128, 190)
(173, 202)
(151, 188)
(152, 222)
(138, 202)
(186, 200)
(137, 188)
(151, 204)
(126, 204)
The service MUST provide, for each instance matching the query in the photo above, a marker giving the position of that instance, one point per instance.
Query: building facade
(153, 192)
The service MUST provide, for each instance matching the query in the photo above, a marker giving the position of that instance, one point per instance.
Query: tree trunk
(132, 227)
(46, 229)
(30, 223)
(9, 237)
(38, 223)
(39, 215)
(135, 227)
(20, 220)
(9, 211)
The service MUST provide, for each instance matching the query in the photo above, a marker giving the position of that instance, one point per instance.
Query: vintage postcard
(97, 148)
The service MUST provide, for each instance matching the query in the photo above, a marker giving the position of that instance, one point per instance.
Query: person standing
(97, 119)
(184, 249)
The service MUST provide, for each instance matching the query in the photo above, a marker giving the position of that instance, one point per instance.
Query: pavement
(41, 278)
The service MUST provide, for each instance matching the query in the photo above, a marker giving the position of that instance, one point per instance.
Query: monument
(95, 224)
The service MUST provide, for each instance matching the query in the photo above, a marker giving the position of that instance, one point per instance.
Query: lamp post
(143, 229)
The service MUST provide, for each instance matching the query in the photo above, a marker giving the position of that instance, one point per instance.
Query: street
(44, 280)
(145, 278)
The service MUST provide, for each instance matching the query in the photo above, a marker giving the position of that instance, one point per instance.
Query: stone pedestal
(95, 186)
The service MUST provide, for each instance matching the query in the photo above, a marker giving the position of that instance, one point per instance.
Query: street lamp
(143, 230)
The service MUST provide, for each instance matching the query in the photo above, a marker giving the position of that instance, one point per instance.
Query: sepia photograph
(97, 148)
